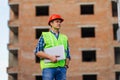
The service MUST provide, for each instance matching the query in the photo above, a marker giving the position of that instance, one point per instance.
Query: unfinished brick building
(90, 25)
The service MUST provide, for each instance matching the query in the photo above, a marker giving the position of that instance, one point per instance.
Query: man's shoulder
(44, 33)
(63, 35)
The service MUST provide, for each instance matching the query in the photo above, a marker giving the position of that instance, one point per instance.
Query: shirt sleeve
(40, 45)
(68, 52)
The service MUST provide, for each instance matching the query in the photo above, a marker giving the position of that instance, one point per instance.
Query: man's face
(56, 24)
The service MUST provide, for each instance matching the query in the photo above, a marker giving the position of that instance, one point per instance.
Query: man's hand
(54, 58)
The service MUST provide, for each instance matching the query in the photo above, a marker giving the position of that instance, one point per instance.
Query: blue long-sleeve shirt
(41, 44)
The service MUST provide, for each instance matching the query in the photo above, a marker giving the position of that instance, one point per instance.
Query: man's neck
(55, 30)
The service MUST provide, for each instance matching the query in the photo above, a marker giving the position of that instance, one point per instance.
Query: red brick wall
(103, 42)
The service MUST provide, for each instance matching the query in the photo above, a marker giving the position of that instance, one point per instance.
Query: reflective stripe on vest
(51, 41)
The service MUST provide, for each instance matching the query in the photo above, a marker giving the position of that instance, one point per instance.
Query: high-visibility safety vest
(51, 41)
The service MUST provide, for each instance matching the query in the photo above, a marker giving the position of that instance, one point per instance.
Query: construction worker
(56, 69)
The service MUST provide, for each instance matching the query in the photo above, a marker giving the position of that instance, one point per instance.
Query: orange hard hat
(54, 17)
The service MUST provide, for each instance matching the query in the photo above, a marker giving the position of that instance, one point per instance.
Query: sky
(4, 38)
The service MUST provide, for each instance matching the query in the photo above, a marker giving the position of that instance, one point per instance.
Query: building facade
(91, 26)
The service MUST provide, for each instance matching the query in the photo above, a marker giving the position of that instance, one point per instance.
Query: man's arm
(39, 51)
(68, 56)
(44, 55)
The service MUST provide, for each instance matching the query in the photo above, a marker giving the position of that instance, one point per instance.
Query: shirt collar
(54, 32)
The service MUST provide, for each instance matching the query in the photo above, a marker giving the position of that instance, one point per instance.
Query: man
(56, 69)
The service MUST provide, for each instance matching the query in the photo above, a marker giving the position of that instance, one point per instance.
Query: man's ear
(51, 23)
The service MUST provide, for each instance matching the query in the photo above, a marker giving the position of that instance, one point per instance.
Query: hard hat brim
(56, 19)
